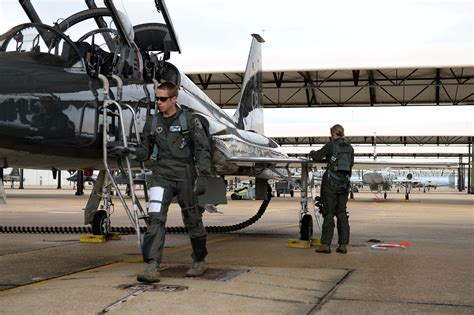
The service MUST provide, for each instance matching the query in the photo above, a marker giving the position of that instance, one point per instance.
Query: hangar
(383, 87)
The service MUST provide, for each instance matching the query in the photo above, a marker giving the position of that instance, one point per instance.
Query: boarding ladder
(112, 108)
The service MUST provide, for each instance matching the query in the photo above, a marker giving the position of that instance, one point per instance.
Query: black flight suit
(181, 158)
(334, 194)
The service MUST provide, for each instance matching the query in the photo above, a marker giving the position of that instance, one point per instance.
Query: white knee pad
(156, 199)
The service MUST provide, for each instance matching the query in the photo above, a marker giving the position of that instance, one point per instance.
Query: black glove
(120, 151)
(200, 185)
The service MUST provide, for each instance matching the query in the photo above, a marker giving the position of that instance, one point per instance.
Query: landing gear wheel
(407, 196)
(100, 224)
(352, 195)
(292, 193)
(234, 197)
(306, 229)
(384, 195)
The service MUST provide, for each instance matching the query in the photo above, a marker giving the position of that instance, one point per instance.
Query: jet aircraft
(13, 176)
(65, 98)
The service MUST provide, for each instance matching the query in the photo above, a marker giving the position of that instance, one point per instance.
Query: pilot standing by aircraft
(339, 156)
(179, 151)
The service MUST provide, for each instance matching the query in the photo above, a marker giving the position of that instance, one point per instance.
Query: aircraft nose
(372, 178)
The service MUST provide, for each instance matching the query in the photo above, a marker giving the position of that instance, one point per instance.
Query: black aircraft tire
(407, 196)
(292, 193)
(99, 223)
(384, 195)
(234, 197)
(352, 195)
(306, 230)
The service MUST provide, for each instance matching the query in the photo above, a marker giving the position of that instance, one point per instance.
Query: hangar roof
(358, 87)
(349, 88)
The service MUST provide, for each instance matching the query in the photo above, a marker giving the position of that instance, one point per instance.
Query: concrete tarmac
(251, 271)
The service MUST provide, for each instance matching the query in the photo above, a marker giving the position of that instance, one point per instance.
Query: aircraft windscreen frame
(40, 41)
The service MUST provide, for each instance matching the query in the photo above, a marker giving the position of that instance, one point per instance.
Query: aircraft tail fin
(249, 113)
(15, 172)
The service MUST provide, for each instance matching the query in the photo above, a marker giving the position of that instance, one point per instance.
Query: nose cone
(372, 178)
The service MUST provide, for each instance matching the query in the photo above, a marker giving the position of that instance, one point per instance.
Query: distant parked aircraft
(13, 177)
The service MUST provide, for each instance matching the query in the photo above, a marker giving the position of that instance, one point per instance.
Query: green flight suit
(181, 158)
(334, 194)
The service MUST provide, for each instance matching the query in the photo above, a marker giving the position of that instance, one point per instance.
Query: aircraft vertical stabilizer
(249, 113)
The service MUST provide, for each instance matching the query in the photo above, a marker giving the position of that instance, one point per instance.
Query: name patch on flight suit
(175, 129)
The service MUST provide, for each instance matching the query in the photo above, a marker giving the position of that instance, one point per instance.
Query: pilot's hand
(200, 185)
(120, 151)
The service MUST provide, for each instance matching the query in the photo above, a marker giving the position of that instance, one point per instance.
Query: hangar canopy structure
(436, 86)
(344, 88)
(449, 86)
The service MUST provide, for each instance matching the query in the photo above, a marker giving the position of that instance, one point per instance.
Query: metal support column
(461, 174)
(22, 179)
(80, 183)
(59, 179)
(470, 168)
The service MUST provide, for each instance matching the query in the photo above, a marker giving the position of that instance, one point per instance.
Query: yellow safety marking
(114, 236)
(89, 238)
(294, 243)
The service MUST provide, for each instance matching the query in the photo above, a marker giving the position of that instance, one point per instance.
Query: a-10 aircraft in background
(65, 97)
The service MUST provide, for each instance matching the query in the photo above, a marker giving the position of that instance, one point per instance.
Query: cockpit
(113, 47)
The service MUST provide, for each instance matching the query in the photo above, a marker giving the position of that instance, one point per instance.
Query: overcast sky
(299, 34)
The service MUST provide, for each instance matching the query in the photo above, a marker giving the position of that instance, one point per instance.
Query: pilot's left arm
(202, 147)
(321, 154)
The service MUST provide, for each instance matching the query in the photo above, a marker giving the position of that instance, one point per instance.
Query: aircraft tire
(292, 193)
(306, 229)
(352, 195)
(407, 196)
(385, 195)
(99, 223)
(234, 197)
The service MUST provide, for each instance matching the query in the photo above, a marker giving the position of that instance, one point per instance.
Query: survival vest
(184, 131)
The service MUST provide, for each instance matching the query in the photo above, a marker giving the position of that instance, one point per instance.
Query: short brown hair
(170, 87)
(337, 130)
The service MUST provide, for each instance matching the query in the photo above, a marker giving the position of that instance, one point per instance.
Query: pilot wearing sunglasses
(179, 152)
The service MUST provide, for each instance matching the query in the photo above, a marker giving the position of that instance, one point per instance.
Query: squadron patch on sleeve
(197, 122)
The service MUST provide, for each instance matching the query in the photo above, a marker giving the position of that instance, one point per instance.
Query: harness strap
(154, 122)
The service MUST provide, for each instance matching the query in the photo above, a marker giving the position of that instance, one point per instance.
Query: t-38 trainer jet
(65, 97)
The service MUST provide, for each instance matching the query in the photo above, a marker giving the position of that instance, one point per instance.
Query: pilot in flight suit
(180, 160)
(339, 156)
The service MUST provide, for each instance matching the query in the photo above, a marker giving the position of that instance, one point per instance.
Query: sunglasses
(162, 98)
